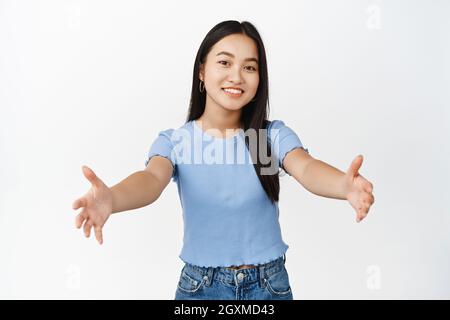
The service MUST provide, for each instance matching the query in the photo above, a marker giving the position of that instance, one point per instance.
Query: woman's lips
(233, 94)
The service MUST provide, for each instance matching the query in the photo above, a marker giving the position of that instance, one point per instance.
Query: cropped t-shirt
(228, 218)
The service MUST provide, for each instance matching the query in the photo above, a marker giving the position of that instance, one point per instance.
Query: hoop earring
(200, 86)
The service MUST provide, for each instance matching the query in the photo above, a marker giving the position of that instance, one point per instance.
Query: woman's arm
(142, 187)
(314, 175)
(324, 180)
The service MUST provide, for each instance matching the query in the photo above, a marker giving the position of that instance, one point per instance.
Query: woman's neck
(216, 117)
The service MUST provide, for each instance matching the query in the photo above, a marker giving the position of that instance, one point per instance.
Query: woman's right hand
(96, 204)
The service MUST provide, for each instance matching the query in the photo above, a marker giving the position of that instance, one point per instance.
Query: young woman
(225, 160)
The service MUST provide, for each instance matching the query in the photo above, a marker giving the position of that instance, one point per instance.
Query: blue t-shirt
(228, 218)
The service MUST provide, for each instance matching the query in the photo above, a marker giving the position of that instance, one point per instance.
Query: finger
(361, 214)
(358, 215)
(80, 218)
(98, 234)
(364, 205)
(366, 209)
(87, 228)
(91, 176)
(368, 187)
(355, 165)
(368, 200)
(81, 202)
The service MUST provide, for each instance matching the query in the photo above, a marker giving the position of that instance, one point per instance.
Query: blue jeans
(268, 281)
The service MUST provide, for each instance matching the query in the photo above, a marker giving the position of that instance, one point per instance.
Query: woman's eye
(225, 63)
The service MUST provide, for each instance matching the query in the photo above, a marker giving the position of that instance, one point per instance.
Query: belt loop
(262, 276)
(209, 273)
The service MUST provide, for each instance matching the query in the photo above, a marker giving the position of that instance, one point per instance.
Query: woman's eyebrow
(232, 56)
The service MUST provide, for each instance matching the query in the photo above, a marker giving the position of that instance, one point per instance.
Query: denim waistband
(236, 277)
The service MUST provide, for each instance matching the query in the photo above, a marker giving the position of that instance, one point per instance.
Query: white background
(93, 82)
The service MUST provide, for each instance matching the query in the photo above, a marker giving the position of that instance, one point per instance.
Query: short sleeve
(163, 146)
(283, 140)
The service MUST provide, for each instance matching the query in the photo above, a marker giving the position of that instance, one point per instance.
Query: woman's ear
(201, 74)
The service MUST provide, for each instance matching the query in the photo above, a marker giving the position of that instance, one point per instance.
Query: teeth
(235, 91)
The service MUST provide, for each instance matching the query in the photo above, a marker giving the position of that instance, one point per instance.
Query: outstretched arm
(137, 190)
(143, 187)
(324, 180)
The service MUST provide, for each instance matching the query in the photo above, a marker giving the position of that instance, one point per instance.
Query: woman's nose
(235, 76)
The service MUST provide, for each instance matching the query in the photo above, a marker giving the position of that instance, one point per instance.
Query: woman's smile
(233, 93)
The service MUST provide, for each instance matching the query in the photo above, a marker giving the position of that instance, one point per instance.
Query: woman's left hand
(358, 190)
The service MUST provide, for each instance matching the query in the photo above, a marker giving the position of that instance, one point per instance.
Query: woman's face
(231, 63)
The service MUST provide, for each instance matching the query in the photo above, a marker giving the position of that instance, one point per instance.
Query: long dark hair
(255, 113)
